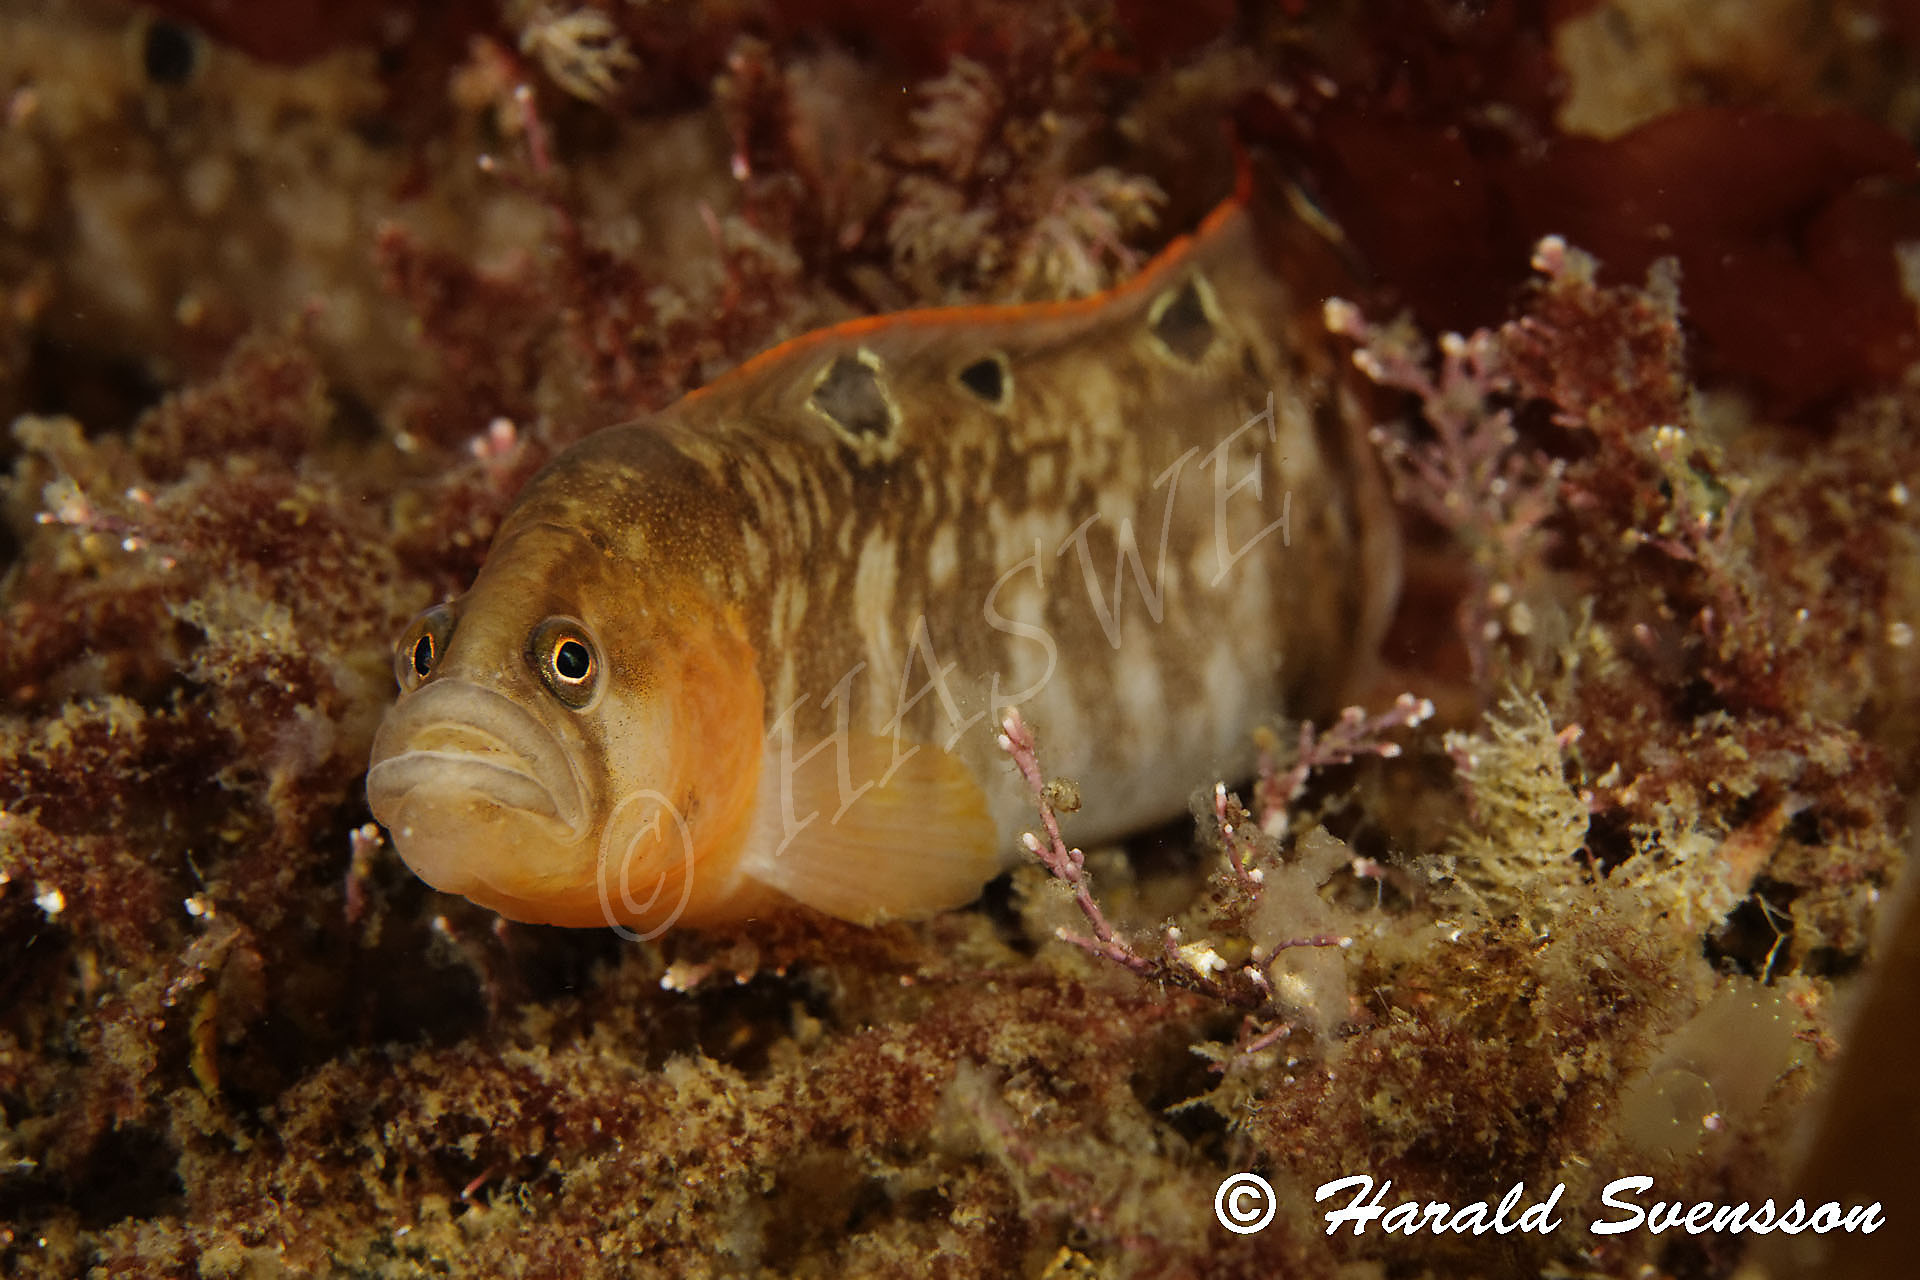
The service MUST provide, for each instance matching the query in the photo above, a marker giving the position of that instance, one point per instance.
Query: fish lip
(398, 775)
(463, 735)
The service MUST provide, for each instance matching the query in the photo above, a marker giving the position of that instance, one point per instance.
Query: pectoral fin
(916, 837)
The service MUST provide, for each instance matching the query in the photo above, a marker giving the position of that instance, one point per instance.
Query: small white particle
(1342, 316)
(1203, 959)
(684, 976)
(50, 900)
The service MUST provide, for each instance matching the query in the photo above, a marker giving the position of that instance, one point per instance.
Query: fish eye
(421, 647)
(571, 661)
(567, 660)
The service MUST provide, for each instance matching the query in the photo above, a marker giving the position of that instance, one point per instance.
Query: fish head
(571, 737)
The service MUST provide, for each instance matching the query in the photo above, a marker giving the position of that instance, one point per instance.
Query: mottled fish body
(757, 647)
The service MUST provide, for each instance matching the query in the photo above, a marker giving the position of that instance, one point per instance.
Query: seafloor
(295, 297)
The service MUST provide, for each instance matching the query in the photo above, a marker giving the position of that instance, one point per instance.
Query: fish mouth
(507, 785)
(459, 739)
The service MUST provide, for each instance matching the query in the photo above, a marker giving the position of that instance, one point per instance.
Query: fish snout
(479, 796)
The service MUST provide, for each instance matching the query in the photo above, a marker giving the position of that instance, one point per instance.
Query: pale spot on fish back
(1023, 661)
(1042, 474)
(785, 467)
(754, 548)
(1103, 407)
(1140, 510)
(930, 505)
(796, 610)
(1204, 564)
(874, 580)
(984, 483)
(803, 497)
(943, 557)
(1016, 535)
(818, 497)
(786, 684)
(1138, 689)
(780, 611)
(800, 518)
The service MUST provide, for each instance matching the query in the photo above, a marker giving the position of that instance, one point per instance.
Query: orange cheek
(681, 786)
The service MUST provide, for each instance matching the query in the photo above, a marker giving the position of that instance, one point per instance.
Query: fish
(754, 650)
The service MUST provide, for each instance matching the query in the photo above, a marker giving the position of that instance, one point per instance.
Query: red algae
(291, 320)
(1785, 223)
